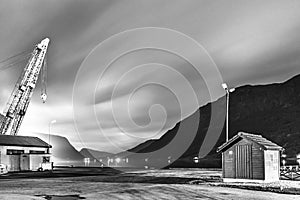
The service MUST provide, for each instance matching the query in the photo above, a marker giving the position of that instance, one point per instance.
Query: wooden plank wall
(243, 161)
(254, 170)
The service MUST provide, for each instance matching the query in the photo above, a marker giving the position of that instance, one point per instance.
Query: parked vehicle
(3, 169)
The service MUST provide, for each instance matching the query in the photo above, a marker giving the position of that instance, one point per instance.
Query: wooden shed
(250, 157)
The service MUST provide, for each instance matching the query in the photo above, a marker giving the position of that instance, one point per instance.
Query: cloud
(251, 42)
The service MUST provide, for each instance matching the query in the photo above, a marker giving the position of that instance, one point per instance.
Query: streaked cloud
(250, 41)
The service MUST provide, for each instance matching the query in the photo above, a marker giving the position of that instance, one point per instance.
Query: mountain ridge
(264, 109)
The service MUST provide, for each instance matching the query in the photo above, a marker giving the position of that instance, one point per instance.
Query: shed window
(36, 152)
(14, 152)
(271, 157)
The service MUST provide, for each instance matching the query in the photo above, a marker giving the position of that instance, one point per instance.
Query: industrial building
(24, 153)
(250, 157)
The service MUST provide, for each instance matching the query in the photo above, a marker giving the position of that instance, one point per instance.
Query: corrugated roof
(258, 139)
(24, 141)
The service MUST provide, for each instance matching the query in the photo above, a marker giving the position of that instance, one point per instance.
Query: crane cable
(14, 60)
(44, 81)
(20, 58)
(9, 58)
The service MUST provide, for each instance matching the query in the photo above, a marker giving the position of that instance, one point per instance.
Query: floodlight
(224, 85)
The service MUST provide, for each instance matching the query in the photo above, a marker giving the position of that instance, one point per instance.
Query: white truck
(3, 169)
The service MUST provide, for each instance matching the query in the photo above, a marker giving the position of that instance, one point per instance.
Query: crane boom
(22, 93)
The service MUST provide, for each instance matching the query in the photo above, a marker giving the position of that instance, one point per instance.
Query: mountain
(270, 110)
(95, 154)
(62, 151)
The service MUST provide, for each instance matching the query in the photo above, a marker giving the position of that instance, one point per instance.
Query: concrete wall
(25, 161)
(272, 165)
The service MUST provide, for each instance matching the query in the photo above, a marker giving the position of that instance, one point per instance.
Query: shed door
(24, 162)
(14, 162)
(243, 161)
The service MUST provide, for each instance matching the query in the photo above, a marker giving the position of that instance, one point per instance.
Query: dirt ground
(149, 184)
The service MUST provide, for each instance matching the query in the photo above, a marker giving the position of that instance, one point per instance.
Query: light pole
(227, 90)
(50, 123)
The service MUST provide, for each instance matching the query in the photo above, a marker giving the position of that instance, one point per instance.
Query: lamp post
(50, 123)
(227, 90)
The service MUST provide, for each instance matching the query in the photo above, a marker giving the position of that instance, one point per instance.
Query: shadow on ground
(107, 175)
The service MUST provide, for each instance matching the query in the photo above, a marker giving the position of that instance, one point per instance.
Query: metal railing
(291, 172)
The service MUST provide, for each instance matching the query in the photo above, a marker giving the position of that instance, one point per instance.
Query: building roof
(24, 141)
(258, 139)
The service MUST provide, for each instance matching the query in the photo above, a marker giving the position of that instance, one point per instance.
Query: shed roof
(255, 138)
(24, 141)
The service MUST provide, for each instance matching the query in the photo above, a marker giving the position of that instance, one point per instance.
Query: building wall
(271, 163)
(229, 163)
(25, 161)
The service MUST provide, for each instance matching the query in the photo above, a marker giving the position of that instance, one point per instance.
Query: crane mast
(22, 93)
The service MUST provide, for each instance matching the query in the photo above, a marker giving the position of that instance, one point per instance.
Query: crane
(19, 100)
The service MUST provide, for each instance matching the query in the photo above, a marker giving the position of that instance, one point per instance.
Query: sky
(108, 90)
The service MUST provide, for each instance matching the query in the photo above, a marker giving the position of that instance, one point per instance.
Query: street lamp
(50, 123)
(227, 90)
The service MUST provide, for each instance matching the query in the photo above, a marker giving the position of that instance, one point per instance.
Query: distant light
(298, 158)
(196, 159)
(118, 160)
(86, 161)
(169, 159)
(283, 155)
(232, 90)
(283, 162)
